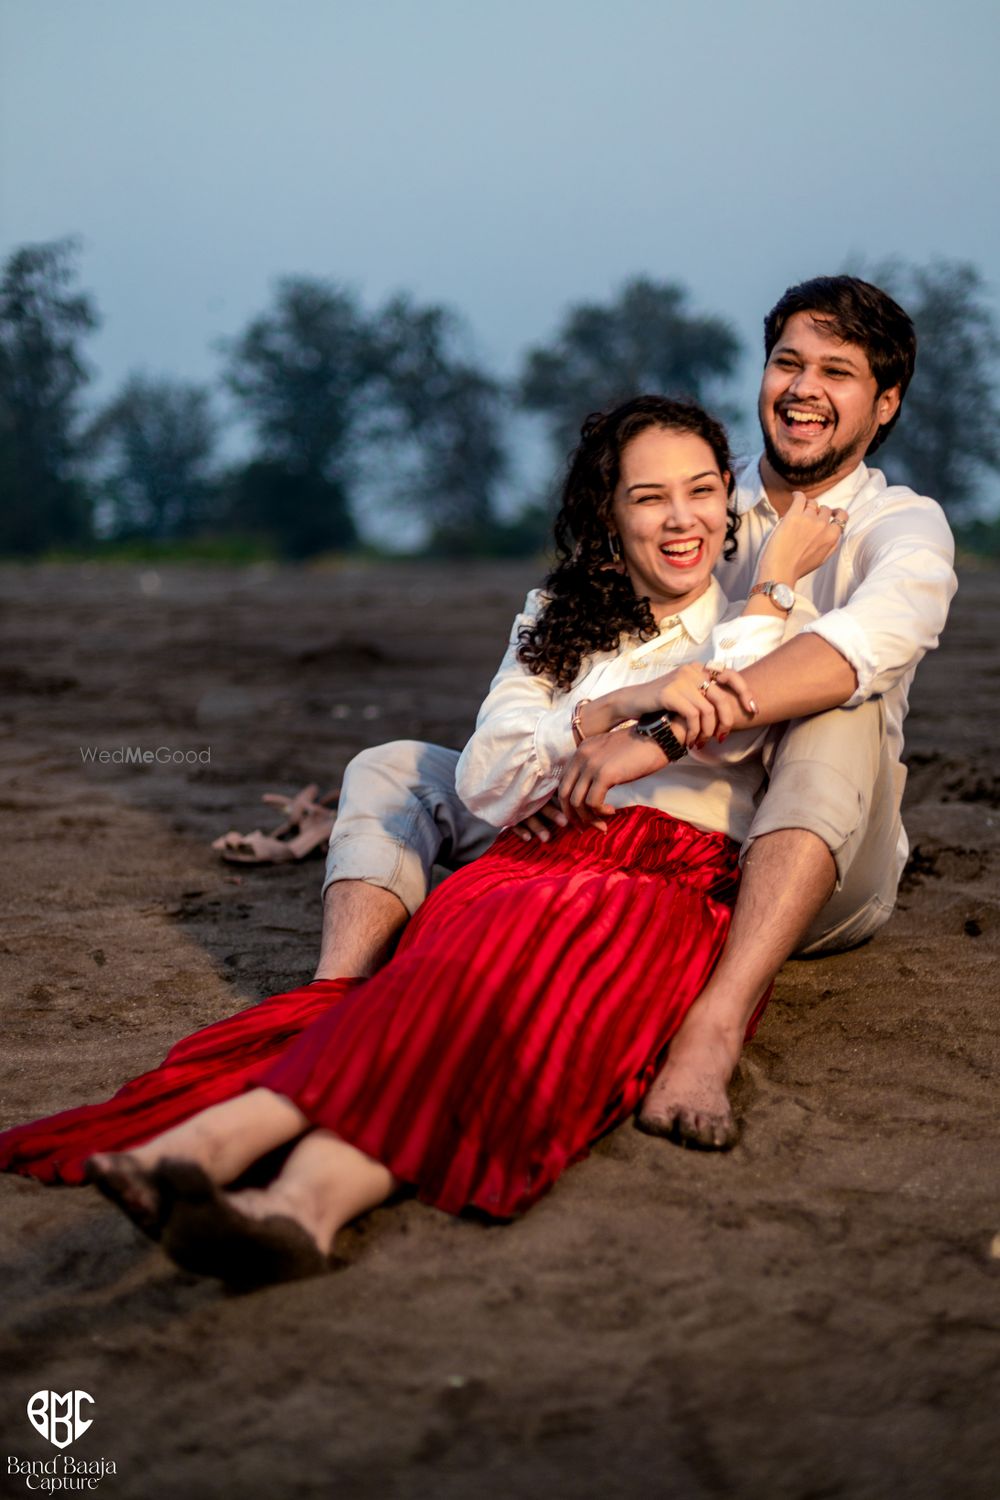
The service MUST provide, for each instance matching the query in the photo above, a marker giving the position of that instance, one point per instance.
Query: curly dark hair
(590, 605)
(859, 313)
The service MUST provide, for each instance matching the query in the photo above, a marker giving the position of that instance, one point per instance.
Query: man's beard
(801, 475)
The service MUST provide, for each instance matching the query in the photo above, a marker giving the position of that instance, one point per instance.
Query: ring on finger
(703, 687)
(840, 521)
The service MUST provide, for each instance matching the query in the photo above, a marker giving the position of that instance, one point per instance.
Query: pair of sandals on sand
(306, 826)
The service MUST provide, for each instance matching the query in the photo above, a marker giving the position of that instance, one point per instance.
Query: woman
(532, 998)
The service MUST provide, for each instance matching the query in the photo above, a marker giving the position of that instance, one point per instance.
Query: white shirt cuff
(553, 739)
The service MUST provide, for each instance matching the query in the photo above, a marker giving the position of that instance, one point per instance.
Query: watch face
(783, 596)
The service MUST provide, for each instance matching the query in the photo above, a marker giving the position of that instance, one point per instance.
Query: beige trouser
(833, 774)
(400, 816)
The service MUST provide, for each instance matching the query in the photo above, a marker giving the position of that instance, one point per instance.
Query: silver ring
(840, 521)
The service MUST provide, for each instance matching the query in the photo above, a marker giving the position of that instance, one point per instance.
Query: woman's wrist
(776, 570)
(599, 715)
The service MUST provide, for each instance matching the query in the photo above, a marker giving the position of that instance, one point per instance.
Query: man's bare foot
(689, 1101)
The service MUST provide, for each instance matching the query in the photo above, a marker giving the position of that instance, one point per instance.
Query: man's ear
(887, 404)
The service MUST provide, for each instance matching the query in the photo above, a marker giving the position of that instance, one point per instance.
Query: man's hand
(542, 824)
(601, 762)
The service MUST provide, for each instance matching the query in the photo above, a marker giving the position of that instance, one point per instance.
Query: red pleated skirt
(205, 1068)
(526, 1012)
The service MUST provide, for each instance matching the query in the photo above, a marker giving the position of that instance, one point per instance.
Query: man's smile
(802, 421)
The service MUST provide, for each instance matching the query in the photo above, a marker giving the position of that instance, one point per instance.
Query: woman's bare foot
(127, 1184)
(287, 1200)
(225, 1138)
(689, 1100)
(244, 1244)
(193, 1141)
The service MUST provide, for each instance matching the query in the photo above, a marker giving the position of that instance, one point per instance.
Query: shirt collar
(696, 621)
(750, 491)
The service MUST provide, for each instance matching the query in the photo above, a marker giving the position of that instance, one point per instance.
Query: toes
(707, 1132)
(696, 1129)
(658, 1119)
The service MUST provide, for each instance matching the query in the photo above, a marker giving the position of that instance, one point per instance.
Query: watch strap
(656, 726)
(768, 589)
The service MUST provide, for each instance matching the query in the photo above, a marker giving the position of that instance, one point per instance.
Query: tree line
(345, 402)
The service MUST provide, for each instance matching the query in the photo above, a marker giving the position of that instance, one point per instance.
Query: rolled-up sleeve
(898, 610)
(512, 763)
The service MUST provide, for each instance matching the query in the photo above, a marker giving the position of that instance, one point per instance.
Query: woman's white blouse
(524, 736)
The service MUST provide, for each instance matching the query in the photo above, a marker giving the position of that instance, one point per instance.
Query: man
(826, 848)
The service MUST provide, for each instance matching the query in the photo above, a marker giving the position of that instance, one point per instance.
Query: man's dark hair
(861, 314)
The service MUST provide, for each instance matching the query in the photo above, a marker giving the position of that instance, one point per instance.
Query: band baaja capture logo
(60, 1419)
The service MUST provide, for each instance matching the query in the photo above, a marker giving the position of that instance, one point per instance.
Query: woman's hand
(702, 698)
(807, 534)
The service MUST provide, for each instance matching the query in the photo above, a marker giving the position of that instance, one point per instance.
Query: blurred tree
(948, 436)
(346, 404)
(304, 372)
(299, 513)
(646, 340)
(450, 415)
(42, 325)
(157, 439)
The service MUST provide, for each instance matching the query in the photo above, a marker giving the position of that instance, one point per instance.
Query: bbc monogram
(58, 1417)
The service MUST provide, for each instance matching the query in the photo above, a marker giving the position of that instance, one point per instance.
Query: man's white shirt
(880, 600)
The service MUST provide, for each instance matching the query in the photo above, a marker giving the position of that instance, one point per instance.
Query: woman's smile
(686, 554)
(669, 515)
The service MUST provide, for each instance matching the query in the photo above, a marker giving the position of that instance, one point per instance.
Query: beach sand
(811, 1316)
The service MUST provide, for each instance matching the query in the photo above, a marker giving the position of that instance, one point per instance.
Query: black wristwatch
(656, 726)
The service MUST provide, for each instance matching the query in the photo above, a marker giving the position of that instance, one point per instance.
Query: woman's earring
(617, 563)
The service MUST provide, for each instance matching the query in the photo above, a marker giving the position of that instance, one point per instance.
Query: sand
(811, 1316)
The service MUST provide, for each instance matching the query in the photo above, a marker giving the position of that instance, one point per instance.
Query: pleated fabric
(526, 1012)
(205, 1068)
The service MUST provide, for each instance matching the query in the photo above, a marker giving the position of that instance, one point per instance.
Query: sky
(505, 157)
